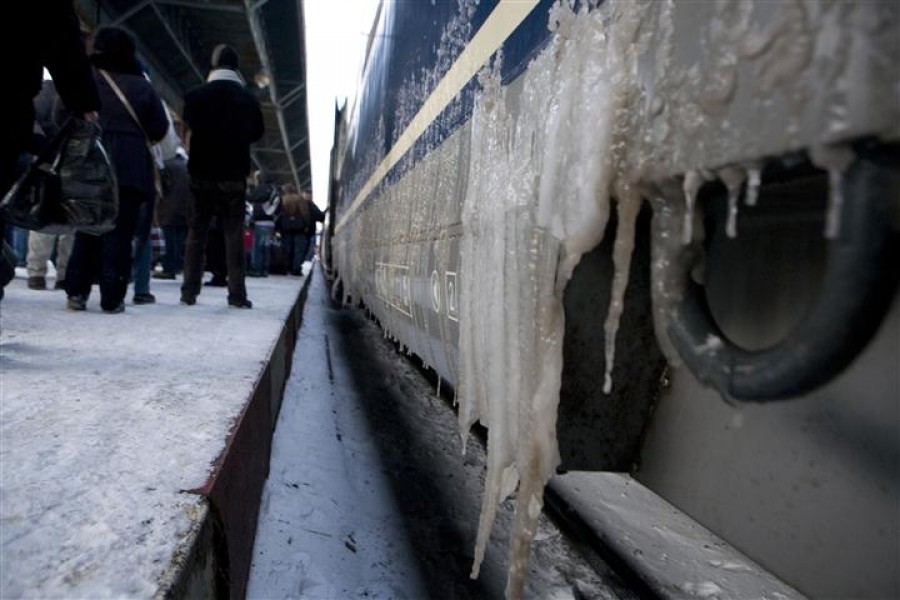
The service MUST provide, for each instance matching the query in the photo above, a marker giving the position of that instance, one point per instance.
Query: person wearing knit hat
(223, 119)
(225, 57)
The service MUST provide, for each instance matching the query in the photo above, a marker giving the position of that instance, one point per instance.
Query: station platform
(134, 446)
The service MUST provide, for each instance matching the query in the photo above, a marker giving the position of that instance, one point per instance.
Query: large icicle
(527, 221)
(628, 207)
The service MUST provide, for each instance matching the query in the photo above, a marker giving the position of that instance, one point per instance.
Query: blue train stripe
(502, 27)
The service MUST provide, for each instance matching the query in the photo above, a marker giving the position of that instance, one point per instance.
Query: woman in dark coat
(107, 258)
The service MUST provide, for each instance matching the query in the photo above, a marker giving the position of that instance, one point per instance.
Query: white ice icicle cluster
(733, 178)
(527, 221)
(692, 183)
(834, 159)
(754, 177)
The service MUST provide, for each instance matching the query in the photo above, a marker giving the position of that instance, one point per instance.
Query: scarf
(226, 75)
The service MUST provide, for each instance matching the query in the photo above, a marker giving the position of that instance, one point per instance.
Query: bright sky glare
(336, 34)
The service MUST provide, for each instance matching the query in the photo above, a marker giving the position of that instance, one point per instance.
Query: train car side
(595, 224)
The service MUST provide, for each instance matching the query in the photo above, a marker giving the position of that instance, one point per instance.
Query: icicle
(733, 178)
(754, 175)
(438, 393)
(835, 203)
(835, 159)
(334, 288)
(628, 208)
(692, 183)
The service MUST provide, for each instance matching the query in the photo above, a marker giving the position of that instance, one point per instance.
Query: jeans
(261, 256)
(141, 268)
(18, 239)
(295, 247)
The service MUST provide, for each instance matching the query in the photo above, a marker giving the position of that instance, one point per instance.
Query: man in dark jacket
(48, 35)
(223, 119)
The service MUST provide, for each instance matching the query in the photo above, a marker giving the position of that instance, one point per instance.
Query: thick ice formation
(591, 124)
(527, 221)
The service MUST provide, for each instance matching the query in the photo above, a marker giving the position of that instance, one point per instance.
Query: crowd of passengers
(188, 200)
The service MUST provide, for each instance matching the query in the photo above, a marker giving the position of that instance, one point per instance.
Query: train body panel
(486, 217)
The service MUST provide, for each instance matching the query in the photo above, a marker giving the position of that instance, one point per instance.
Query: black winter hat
(114, 41)
(225, 57)
(114, 50)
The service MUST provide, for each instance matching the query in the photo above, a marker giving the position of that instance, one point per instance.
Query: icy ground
(369, 495)
(107, 420)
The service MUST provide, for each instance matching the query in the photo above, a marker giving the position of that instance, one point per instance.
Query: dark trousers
(215, 252)
(173, 259)
(106, 258)
(224, 201)
(295, 247)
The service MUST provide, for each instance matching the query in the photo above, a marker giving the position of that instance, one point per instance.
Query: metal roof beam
(203, 6)
(131, 12)
(257, 6)
(177, 41)
(260, 42)
(303, 140)
(271, 150)
(292, 96)
(169, 89)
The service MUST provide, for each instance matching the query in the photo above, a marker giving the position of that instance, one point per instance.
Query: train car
(647, 237)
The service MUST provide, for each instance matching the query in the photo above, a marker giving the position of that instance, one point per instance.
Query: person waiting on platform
(223, 120)
(265, 201)
(133, 115)
(293, 227)
(172, 214)
(44, 247)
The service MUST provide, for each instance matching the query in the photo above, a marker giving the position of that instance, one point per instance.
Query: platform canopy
(176, 39)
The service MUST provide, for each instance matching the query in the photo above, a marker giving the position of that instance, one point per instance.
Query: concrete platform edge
(213, 560)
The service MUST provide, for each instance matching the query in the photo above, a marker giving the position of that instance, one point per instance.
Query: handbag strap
(125, 102)
(128, 107)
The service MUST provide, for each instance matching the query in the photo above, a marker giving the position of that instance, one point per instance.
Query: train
(657, 238)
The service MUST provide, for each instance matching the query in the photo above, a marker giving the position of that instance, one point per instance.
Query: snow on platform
(111, 426)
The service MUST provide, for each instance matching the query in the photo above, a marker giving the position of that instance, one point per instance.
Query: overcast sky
(336, 33)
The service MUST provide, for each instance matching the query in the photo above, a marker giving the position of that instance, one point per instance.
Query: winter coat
(123, 138)
(224, 119)
(301, 217)
(317, 216)
(265, 201)
(173, 205)
(291, 224)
